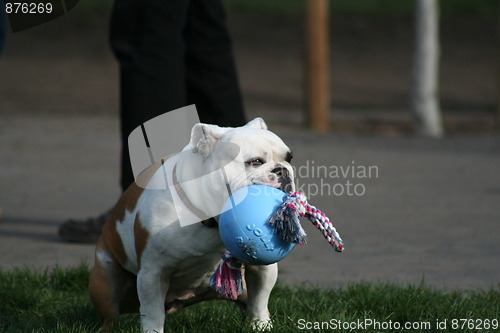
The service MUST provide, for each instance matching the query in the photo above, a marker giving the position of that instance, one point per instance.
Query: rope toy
(287, 223)
(227, 278)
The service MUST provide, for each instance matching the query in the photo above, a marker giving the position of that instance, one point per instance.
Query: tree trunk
(317, 64)
(424, 94)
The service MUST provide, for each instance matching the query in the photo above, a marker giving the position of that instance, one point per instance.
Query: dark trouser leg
(146, 37)
(171, 54)
(212, 82)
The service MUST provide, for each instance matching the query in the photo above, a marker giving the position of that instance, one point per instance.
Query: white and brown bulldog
(147, 261)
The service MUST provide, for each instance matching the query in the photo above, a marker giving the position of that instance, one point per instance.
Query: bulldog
(147, 261)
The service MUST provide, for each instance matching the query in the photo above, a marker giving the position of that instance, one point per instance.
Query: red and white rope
(286, 221)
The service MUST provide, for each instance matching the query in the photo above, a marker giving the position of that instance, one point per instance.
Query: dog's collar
(209, 222)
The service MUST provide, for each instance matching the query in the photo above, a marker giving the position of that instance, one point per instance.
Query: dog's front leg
(152, 286)
(260, 281)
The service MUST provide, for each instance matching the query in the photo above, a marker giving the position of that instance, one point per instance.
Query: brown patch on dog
(112, 289)
(100, 286)
(127, 203)
(113, 241)
(130, 197)
(141, 238)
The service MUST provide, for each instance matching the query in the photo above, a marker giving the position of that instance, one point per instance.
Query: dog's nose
(284, 179)
(281, 172)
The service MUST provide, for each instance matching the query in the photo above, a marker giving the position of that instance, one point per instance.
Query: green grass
(56, 301)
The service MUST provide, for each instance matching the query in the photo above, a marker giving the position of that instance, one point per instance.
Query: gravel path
(427, 211)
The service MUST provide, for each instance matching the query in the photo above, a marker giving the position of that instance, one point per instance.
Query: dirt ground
(66, 66)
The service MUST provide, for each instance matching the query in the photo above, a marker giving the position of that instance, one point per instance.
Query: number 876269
(28, 8)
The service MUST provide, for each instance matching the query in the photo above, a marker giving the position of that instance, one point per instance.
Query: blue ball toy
(245, 229)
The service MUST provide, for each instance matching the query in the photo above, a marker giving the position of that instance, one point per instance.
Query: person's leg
(186, 60)
(147, 40)
(171, 54)
(211, 77)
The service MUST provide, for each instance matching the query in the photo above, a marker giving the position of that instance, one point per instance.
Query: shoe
(83, 231)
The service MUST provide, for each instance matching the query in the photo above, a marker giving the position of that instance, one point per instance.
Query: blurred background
(68, 62)
(432, 213)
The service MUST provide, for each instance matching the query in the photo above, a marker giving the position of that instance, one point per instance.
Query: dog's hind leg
(111, 288)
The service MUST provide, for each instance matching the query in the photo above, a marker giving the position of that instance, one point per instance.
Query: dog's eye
(255, 162)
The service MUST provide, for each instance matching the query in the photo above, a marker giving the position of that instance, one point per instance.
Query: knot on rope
(286, 220)
(227, 279)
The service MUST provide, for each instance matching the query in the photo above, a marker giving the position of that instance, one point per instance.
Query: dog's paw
(259, 325)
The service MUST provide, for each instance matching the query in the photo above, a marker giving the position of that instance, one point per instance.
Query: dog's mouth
(286, 185)
(283, 179)
(278, 178)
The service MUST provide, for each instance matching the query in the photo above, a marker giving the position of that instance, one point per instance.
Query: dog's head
(250, 154)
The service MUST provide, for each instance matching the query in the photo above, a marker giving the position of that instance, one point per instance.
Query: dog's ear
(204, 137)
(257, 123)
